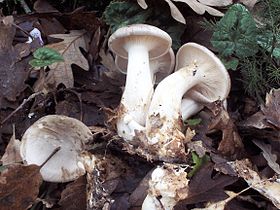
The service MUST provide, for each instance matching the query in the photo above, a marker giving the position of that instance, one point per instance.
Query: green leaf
(120, 14)
(232, 63)
(193, 122)
(236, 33)
(267, 40)
(198, 162)
(44, 57)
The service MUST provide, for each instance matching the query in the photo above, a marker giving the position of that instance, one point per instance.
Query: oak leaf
(69, 48)
(199, 6)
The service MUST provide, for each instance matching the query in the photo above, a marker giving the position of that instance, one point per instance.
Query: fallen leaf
(19, 186)
(220, 205)
(231, 143)
(199, 6)
(203, 187)
(268, 188)
(42, 6)
(12, 153)
(268, 155)
(175, 12)
(216, 3)
(73, 197)
(266, 122)
(138, 195)
(61, 73)
(13, 71)
(271, 109)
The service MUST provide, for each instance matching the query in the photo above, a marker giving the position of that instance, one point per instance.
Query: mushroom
(168, 185)
(185, 56)
(138, 43)
(203, 79)
(49, 133)
(160, 67)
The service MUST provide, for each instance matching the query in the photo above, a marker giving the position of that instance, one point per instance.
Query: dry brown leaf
(74, 195)
(42, 6)
(12, 153)
(271, 109)
(69, 48)
(107, 60)
(220, 205)
(19, 186)
(13, 70)
(203, 187)
(268, 155)
(268, 188)
(231, 143)
(138, 195)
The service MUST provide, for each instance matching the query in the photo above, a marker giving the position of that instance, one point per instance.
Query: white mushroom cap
(157, 40)
(216, 85)
(48, 133)
(161, 67)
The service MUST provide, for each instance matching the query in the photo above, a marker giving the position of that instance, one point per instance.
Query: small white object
(34, 34)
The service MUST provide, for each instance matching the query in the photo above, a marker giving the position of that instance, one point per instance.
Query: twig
(21, 105)
(50, 156)
(25, 6)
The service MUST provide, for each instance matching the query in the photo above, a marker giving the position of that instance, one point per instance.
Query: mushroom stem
(138, 90)
(164, 123)
(139, 82)
(189, 107)
(167, 186)
(166, 104)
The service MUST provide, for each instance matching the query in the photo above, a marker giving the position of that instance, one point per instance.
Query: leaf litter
(121, 180)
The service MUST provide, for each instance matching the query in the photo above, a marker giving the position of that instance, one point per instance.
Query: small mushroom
(49, 133)
(160, 67)
(193, 99)
(203, 79)
(168, 185)
(138, 43)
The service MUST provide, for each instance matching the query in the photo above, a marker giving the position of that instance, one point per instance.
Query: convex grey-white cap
(216, 84)
(156, 40)
(48, 133)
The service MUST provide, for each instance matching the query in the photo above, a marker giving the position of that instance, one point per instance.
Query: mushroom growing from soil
(160, 67)
(193, 101)
(204, 79)
(138, 43)
(167, 186)
(49, 133)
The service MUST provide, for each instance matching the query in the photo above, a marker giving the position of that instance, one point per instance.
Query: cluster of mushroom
(144, 53)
